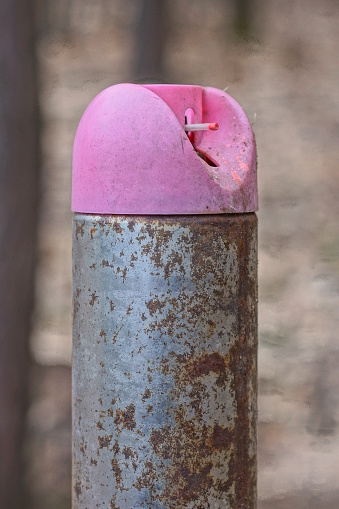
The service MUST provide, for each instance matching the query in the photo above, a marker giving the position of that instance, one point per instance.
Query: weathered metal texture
(165, 362)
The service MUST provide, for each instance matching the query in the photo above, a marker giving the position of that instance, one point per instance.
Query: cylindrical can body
(164, 361)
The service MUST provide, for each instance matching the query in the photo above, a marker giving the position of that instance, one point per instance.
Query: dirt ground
(286, 76)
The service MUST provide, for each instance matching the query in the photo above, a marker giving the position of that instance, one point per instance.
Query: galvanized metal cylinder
(164, 361)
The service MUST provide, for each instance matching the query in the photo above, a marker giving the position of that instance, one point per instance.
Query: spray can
(164, 301)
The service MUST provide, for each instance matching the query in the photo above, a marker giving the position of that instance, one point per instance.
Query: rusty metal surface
(164, 362)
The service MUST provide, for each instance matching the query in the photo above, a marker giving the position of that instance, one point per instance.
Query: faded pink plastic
(132, 155)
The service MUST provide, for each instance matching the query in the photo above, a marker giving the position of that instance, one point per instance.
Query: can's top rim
(134, 154)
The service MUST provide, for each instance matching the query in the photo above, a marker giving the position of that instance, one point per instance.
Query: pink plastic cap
(132, 155)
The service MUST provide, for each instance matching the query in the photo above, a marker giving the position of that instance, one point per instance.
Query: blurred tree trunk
(243, 18)
(150, 41)
(19, 193)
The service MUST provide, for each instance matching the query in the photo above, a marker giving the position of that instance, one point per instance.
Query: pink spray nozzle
(144, 149)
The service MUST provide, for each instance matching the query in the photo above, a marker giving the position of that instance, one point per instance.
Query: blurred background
(279, 59)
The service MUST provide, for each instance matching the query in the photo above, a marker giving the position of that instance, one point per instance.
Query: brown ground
(287, 76)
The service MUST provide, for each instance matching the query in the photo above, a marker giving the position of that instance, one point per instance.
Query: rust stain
(93, 299)
(191, 448)
(115, 337)
(78, 489)
(206, 364)
(155, 306)
(117, 228)
(116, 470)
(92, 231)
(103, 335)
(131, 225)
(129, 453)
(221, 437)
(104, 441)
(79, 228)
(76, 303)
(147, 394)
(124, 274)
(147, 479)
(125, 417)
(243, 363)
(116, 447)
(113, 503)
(174, 259)
(83, 446)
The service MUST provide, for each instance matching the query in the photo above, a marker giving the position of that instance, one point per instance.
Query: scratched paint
(164, 362)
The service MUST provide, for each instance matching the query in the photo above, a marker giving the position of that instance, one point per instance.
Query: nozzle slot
(189, 120)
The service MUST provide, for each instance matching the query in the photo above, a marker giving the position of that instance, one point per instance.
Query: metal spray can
(164, 301)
